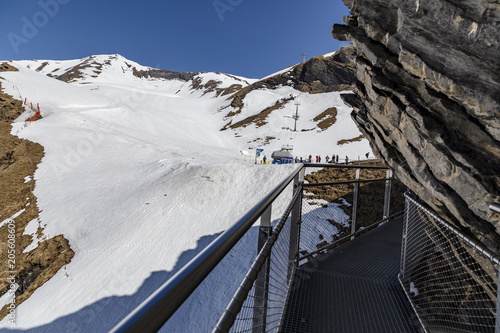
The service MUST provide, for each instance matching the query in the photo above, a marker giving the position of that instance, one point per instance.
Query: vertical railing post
(262, 282)
(497, 317)
(387, 197)
(295, 223)
(496, 208)
(355, 204)
(405, 239)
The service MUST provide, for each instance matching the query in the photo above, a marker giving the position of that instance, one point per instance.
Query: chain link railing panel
(268, 281)
(450, 280)
(331, 206)
(262, 310)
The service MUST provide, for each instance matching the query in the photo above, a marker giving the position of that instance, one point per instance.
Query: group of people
(334, 159)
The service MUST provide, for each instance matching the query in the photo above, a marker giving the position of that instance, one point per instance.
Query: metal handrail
(227, 320)
(342, 182)
(343, 166)
(495, 207)
(154, 312)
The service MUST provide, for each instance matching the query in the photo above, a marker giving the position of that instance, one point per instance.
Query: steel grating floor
(353, 288)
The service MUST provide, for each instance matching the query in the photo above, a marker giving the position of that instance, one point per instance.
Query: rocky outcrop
(5, 67)
(164, 74)
(321, 74)
(428, 100)
(317, 75)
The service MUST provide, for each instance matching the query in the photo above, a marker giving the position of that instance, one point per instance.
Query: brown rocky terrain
(18, 160)
(214, 86)
(164, 74)
(427, 99)
(318, 75)
(326, 118)
(260, 118)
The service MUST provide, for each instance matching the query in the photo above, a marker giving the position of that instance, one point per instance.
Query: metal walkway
(353, 288)
(450, 279)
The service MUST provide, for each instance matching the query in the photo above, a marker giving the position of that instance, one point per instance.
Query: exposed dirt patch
(213, 86)
(10, 108)
(260, 118)
(326, 118)
(18, 161)
(75, 72)
(268, 139)
(72, 74)
(356, 139)
(237, 102)
(231, 89)
(259, 141)
(42, 66)
(5, 67)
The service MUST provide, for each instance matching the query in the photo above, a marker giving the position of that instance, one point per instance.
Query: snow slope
(138, 177)
(308, 139)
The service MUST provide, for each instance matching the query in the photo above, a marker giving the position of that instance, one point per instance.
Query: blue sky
(251, 38)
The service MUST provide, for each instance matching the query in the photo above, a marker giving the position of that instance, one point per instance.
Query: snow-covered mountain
(258, 113)
(143, 167)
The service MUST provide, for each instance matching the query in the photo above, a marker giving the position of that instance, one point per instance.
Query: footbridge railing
(319, 216)
(449, 278)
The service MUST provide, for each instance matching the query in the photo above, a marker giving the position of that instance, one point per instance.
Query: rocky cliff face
(318, 75)
(428, 99)
(164, 74)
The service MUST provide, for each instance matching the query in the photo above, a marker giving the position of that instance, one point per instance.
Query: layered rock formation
(428, 99)
(317, 75)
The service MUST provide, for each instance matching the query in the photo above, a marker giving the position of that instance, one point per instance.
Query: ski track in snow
(139, 178)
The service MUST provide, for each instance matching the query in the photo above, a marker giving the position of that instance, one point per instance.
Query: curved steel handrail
(154, 312)
(495, 207)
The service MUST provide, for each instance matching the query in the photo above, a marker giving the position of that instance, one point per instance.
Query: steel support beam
(295, 225)
(387, 198)
(262, 282)
(355, 205)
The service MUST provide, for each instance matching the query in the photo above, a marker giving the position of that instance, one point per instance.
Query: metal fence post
(387, 198)
(405, 239)
(497, 317)
(262, 282)
(355, 204)
(496, 208)
(295, 223)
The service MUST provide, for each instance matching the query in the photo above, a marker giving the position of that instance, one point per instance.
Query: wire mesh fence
(334, 206)
(262, 311)
(449, 279)
(326, 216)
(259, 303)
